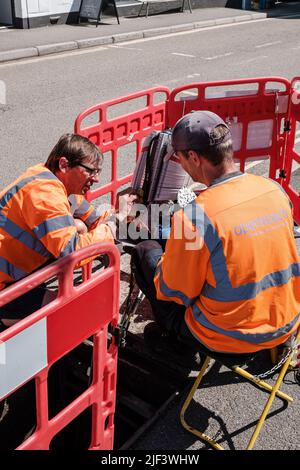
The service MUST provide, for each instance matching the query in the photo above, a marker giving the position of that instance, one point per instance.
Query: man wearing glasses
(44, 216)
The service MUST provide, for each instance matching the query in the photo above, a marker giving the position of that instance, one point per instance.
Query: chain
(291, 349)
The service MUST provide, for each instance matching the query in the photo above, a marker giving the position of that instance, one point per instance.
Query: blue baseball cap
(194, 131)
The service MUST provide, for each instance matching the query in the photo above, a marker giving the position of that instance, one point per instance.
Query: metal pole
(28, 24)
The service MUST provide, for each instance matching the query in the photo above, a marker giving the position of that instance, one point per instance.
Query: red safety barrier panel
(253, 108)
(260, 112)
(111, 132)
(291, 166)
(29, 348)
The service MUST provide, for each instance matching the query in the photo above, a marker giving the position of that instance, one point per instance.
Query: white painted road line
(248, 61)
(183, 55)
(252, 164)
(117, 46)
(267, 44)
(227, 54)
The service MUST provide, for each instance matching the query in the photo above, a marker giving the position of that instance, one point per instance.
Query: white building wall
(44, 7)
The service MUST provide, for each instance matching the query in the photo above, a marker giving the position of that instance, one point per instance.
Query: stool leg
(269, 402)
(261, 383)
(274, 355)
(186, 404)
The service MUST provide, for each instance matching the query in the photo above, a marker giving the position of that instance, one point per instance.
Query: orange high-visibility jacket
(36, 224)
(232, 261)
(81, 209)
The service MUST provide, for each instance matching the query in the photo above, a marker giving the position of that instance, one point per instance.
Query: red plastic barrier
(30, 347)
(292, 156)
(111, 133)
(254, 109)
(260, 111)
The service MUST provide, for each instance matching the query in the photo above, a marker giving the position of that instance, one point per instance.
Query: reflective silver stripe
(171, 292)
(22, 356)
(252, 289)
(22, 236)
(70, 247)
(252, 338)
(50, 225)
(93, 217)
(45, 175)
(12, 271)
(82, 209)
(73, 203)
(224, 292)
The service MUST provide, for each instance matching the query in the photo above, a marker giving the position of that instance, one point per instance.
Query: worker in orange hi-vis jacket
(229, 279)
(44, 216)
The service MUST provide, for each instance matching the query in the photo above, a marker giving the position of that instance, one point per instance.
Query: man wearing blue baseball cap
(229, 279)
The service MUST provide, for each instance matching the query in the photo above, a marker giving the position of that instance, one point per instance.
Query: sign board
(91, 9)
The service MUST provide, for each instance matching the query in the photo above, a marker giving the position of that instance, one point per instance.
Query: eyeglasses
(91, 171)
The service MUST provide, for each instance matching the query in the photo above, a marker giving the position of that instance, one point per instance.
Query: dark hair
(217, 154)
(75, 149)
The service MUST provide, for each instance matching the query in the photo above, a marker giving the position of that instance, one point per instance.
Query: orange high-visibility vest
(36, 224)
(83, 210)
(232, 261)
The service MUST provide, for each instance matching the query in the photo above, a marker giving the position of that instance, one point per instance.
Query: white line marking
(217, 56)
(248, 61)
(117, 46)
(183, 55)
(53, 56)
(267, 44)
(91, 50)
(252, 164)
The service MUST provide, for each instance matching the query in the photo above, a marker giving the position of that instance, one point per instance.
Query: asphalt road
(45, 95)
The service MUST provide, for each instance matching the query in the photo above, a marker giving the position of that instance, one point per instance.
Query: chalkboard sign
(91, 9)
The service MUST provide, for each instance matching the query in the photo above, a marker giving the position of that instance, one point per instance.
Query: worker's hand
(124, 205)
(80, 226)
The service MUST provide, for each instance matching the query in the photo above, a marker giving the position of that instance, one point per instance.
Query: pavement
(16, 44)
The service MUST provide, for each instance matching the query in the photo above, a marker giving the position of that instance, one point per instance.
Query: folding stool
(226, 359)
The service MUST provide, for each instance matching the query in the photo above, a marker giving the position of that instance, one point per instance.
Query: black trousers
(168, 315)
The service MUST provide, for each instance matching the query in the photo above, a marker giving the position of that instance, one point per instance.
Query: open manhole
(145, 386)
